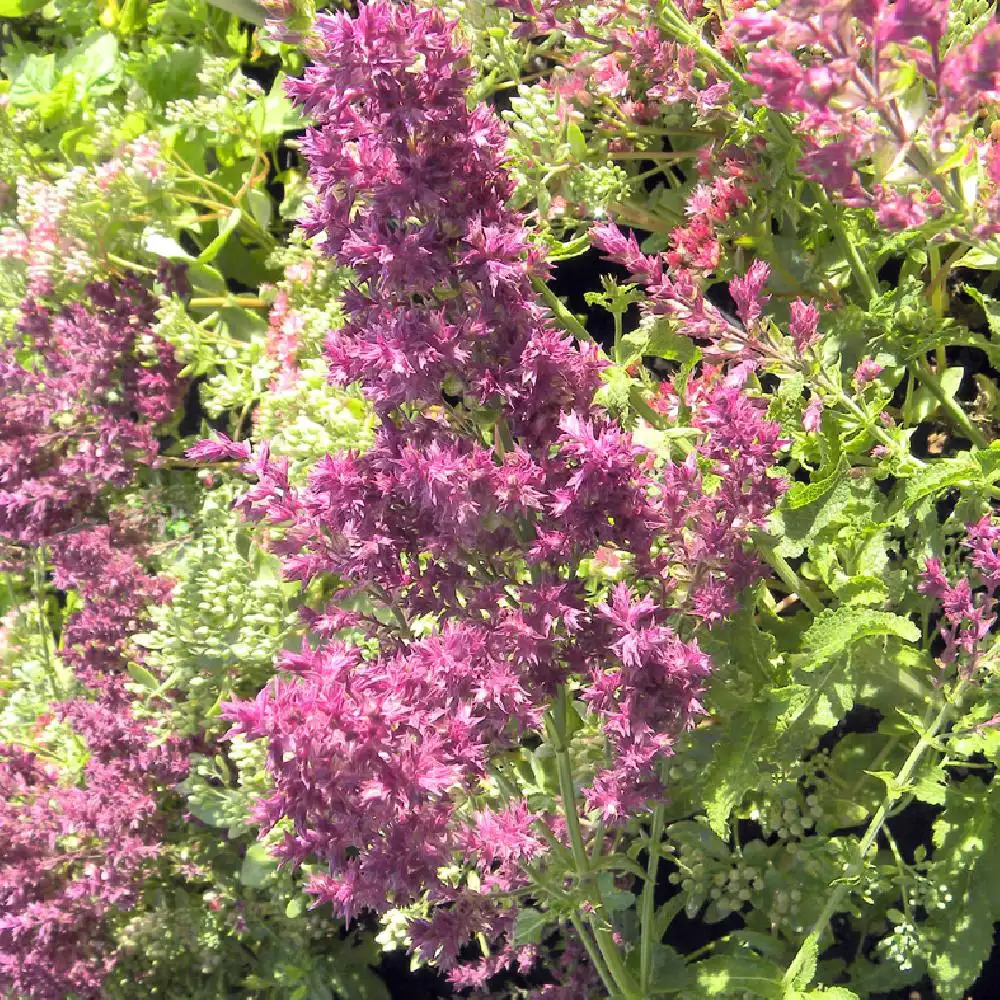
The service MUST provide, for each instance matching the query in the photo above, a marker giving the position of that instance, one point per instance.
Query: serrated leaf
(959, 937)
(95, 63)
(810, 956)
(798, 529)
(931, 788)
(803, 494)
(529, 926)
(862, 590)
(835, 631)
(727, 975)
(35, 79)
(740, 750)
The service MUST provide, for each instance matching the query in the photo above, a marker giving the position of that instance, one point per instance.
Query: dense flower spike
(75, 421)
(77, 418)
(461, 532)
(68, 857)
(968, 606)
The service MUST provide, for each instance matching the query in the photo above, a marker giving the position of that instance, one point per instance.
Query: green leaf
(852, 500)
(162, 245)
(803, 494)
(95, 64)
(958, 933)
(142, 676)
(969, 470)
(225, 229)
(932, 787)
(295, 907)
(835, 631)
(257, 866)
(34, 80)
(810, 956)
(357, 981)
(20, 8)
(529, 926)
(989, 305)
(274, 115)
(576, 140)
(726, 976)
(827, 993)
(212, 810)
(613, 898)
(670, 974)
(735, 768)
(246, 10)
(862, 590)
(261, 206)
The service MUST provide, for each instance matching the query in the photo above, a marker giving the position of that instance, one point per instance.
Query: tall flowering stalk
(78, 411)
(459, 543)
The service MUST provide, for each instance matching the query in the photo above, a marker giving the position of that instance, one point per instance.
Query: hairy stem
(647, 910)
(958, 417)
(625, 985)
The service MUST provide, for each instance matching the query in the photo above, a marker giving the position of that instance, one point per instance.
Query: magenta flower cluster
(79, 421)
(968, 607)
(77, 413)
(458, 540)
(848, 95)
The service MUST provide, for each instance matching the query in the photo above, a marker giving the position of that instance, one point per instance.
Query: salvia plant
(497, 499)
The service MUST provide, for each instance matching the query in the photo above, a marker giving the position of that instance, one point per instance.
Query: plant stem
(43, 633)
(565, 318)
(647, 909)
(957, 415)
(595, 955)
(625, 985)
(788, 575)
(900, 781)
(862, 276)
(229, 302)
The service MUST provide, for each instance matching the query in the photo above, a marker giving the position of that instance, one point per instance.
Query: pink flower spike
(866, 372)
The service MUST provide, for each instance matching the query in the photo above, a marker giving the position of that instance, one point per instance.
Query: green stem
(957, 415)
(565, 318)
(899, 782)
(686, 32)
(832, 218)
(129, 264)
(788, 575)
(43, 633)
(229, 302)
(625, 986)
(595, 956)
(835, 389)
(647, 911)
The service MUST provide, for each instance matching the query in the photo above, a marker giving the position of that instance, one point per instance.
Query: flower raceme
(859, 100)
(968, 607)
(76, 842)
(459, 538)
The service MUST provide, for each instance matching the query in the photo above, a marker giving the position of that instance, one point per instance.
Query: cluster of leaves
(491, 676)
